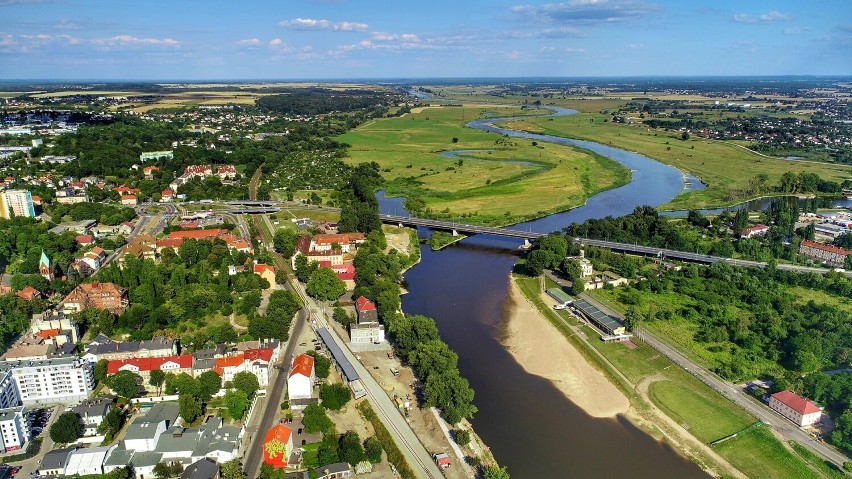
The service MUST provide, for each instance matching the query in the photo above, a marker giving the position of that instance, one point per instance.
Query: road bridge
(462, 228)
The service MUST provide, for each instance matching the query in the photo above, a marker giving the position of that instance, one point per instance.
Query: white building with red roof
(756, 230)
(826, 253)
(300, 382)
(144, 366)
(795, 408)
(255, 361)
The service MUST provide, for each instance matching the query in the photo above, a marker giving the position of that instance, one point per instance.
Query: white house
(795, 408)
(14, 428)
(92, 412)
(302, 376)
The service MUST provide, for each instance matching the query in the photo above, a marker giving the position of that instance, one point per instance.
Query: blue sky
(330, 39)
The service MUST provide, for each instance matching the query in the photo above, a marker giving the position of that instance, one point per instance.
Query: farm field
(493, 180)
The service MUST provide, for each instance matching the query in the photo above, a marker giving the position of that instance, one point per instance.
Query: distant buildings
(156, 155)
(224, 172)
(17, 203)
(825, 253)
(795, 408)
(105, 348)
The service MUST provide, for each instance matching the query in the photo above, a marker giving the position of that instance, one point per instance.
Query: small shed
(442, 460)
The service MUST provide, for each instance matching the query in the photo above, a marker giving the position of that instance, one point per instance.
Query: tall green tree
(237, 402)
(325, 285)
(156, 379)
(125, 383)
(246, 382)
(209, 383)
(67, 428)
(190, 408)
(285, 242)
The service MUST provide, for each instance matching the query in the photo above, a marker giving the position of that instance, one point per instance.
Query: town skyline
(323, 40)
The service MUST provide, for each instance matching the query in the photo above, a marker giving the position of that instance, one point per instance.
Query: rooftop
(795, 402)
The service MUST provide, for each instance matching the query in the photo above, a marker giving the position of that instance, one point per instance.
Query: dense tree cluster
(359, 206)
(317, 101)
(187, 286)
(275, 324)
(747, 322)
(106, 214)
(415, 337)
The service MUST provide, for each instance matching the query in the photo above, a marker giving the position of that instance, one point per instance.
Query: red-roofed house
(84, 240)
(149, 172)
(277, 446)
(167, 195)
(795, 408)
(144, 366)
(126, 190)
(756, 230)
(198, 234)
(826, 253)
(366, 311)
(344, 271)
(130, 200)
(300, 383)
(29, 293)
(266, 272)
(168, 243)
(36, 200)
(256, 361)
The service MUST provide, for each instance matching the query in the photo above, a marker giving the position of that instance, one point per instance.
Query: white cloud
(585, 12)
(248, 42)
(388, 37)
(66, 24)
(634, 46)
(794, 30)
(129, 40)
(319, 24)
(769, 17)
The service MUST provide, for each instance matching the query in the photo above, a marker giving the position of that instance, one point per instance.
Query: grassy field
(828, 470)
(725, 168)
(503, 181)
(691, 403)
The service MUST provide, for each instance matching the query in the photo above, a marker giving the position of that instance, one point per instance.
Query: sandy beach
(542, 350)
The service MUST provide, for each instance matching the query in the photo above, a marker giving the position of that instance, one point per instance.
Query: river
(530, 426)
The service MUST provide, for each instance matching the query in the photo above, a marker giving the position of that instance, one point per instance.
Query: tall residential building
(59, 380)
(14, 429)
(17, 202)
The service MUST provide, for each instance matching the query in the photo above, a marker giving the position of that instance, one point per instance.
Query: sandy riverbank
(542, 350)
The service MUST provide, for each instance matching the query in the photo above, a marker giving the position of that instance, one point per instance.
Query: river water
(530, 426)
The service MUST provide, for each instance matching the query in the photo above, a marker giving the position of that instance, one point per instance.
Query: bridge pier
(455, 233)
(527, 243)
(400, 225)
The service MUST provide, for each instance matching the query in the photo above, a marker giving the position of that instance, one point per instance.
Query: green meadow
(501, 181)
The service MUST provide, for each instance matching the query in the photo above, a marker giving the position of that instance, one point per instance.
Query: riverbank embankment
(542, 350)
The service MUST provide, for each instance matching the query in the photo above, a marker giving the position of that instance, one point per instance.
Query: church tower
(44, 267)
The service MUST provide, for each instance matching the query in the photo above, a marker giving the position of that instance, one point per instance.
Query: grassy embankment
(510, 180)
(682, 397)
(724, 167)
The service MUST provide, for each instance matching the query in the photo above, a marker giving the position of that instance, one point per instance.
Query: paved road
(271, 404)
(784, 427)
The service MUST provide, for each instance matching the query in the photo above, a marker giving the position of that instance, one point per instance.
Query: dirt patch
(398, 239)
(542, 350)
